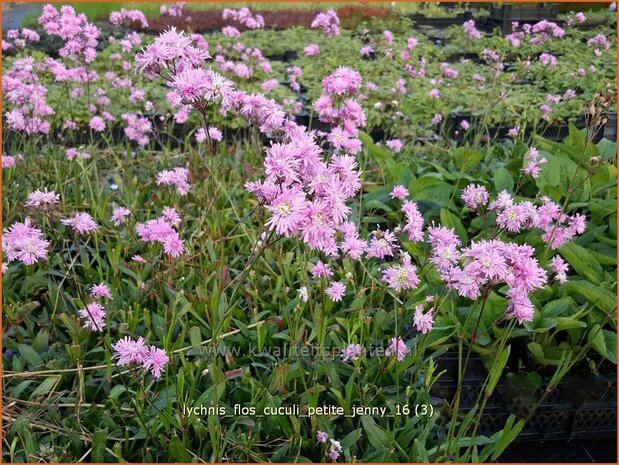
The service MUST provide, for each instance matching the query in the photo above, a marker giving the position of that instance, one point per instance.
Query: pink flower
(328, 22)
(559, 268)
(395, 145)
(548, 60)
(94, 314)
(155, 360)
(399, 192)
(519, 307)
(177, 177)
(351, 352)
(97, 124)
(423, 322)
(120, 215)
(288, 212)
(474, 196)
(43, 199)
(464, 124)
(336, 291)
(81, 223)
(470, 30)
(382, 244)
(311, 50)
(24, 242)
(413, 226)
(8, 161)
(533, 163)
(434, 93)
(137, 128)
(128, 351)
(397, 348)
(101, 291)
(401, 277)
(335, 450)
(161, 230)
(366, 51)
(322, 437)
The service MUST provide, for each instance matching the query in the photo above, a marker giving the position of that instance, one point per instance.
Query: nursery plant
(335, 243)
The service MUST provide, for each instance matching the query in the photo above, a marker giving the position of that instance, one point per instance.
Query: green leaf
(98, 446)
(47, 385)
(351, 439)
(195, 337)
(595, 295)
(610, 340)
(596, 340)
(497, 370)
(566, 322)
(33, 359)
(464, 158)
(178, 451)
(451, 221)
(503, 180)
(557, 307)
(537, 351)
(582, 261)
(431, 189)
(376, 436)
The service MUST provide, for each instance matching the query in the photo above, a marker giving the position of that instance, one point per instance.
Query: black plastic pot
(581, 406)
(441, 23)
(276, 57)
(290, 55)
(302, 118)
(377, 134)
(558, 132)
(502, 16)
(610, 129)
(458, 57)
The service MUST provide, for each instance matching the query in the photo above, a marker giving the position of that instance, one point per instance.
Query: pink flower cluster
(306, 195)
(334, 451)
(137, 128)
(339, 107)
(599, 40)
(470, 30)
(175, 10)
(311, 50)
(559, 228)
(178, 177)
(397, 348)
(533, 163)
(475, 196)
(81, 223)
(25, 243)
(162, 231)
(488, 263)
(80, 36)
(128, 351)
(124, 16)
(328, 21)
(548, 59)
(27, 97)
(42, 199)
(170, 54)
(16, 39)
(245, 17)
(94, 316)
(402, 276)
